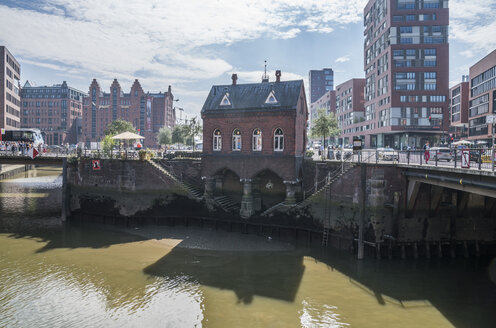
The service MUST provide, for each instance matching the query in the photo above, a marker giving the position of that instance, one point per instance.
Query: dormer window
(225, 100)
(271, 99)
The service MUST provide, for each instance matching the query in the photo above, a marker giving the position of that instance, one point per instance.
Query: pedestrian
(427, 154)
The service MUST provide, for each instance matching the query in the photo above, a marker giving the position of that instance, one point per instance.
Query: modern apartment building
(482, 99)
(327, 102)
(148, 112)
(459, 100)
(321, 81)
(350, 110)
(53, 110)
(10, 102)
(406, 63)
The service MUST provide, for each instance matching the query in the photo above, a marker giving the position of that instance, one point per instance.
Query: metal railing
(465, 158)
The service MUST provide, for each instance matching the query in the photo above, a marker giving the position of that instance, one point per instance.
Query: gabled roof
(254, 96)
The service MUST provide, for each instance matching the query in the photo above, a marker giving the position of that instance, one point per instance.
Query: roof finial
(265, 77)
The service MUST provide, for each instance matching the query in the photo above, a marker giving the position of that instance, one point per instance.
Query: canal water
(54, 275)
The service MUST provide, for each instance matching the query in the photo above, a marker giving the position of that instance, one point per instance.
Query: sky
(194, 44)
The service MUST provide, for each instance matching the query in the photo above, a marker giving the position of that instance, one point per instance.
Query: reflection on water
(90, 276)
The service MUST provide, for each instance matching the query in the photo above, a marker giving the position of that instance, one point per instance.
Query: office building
(10, 102)
(321, 81)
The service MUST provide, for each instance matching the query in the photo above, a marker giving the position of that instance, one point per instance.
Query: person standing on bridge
(427, 154)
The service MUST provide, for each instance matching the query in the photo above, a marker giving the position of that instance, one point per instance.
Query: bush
(309, 153)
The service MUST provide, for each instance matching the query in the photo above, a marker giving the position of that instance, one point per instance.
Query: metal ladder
(327, 214)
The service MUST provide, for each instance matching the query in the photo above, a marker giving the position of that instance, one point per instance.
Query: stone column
(247, 208)
(290, 192)
(209, 187)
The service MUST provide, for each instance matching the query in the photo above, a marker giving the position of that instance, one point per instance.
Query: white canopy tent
(462, 142)
(127, 136)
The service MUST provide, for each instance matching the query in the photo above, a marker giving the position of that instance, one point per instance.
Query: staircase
(327, 217)
(188, 187)
(227, 204)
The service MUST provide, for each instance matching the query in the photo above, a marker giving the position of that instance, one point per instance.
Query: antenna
(265, 77)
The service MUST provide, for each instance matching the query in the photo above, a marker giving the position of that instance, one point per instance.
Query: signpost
(465, 158)
(492, 119)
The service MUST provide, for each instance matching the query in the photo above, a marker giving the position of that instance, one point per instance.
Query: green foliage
(179, 134)
(107, 145)
(309, 153)
(326, 125)
(119, 126)
(164, 136)
(194, 129)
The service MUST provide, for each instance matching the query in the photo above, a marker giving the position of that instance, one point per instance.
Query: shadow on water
(463, 290)
(269, 274)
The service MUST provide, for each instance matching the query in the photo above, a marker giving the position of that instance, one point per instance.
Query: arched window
(217, 140)
(257, 140)
(236, 140)
(278, 140)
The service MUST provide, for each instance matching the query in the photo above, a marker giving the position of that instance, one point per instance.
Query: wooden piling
(427, 250)
(415, 251)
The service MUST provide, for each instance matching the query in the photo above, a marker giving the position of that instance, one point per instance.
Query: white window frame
(217, 141)
(236, 140)
(278, 140)
(257, 140)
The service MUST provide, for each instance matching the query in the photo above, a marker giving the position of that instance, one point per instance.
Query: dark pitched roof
(253, 96)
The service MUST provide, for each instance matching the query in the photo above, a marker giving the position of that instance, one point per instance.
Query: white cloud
(474, 23)
(343, 59)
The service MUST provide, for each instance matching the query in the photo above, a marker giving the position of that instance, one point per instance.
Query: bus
(27, 135)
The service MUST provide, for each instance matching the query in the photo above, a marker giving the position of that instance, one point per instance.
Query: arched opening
(257, 140)
(268, 188)
(236, 140)
(278, 140)
(217, 140)
(227, 184)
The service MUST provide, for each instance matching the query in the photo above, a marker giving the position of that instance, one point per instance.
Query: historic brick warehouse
(148, 112)
(254, 142)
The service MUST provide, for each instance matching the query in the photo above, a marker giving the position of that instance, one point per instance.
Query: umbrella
(127, 136)
(462, 142)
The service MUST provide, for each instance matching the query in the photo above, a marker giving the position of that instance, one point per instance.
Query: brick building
(254, 138)
(350, 110)
(54, 110)
(148, 112)
(482, 101)
(459, 100)
(406, 64)
(10, 102)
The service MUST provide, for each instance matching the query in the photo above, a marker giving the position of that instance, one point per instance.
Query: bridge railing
(475, 158)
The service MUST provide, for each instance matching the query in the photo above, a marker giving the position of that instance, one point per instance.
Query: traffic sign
(465, 158)
(95, 164)
(33, 153)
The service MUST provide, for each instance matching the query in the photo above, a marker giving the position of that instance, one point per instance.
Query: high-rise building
(406, 63)
(482, 99)
(350, 110)
(53, 110)
(321, 81)
(148, 112)
(10, 102)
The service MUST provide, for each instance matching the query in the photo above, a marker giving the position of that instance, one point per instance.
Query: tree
(194, 129)
(179, 134)
(326, 125)
(164, 136)
(107, 145)
(119, 126)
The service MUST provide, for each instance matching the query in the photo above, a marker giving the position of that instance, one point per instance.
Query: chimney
(234, 78)
(278, 75)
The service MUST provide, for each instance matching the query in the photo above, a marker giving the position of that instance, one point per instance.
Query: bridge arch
(268, 187)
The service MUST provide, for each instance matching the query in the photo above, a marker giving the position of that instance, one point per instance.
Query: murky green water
(94, 276)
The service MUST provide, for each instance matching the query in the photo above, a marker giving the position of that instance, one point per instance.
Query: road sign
(491, 119)
(95, 164)
(465, 158)
(357, 144)
(33, 153)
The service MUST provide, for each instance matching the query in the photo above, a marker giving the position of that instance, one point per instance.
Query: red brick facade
(148, 112)
(247, 162)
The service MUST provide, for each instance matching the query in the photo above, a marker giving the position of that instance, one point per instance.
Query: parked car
(440, 153)
(387, 154)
